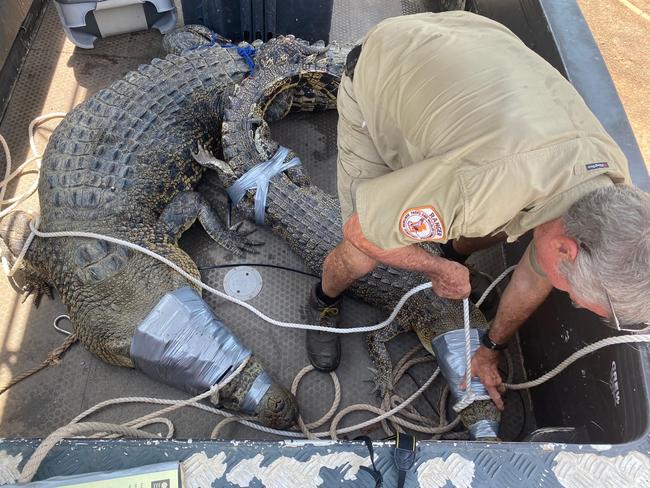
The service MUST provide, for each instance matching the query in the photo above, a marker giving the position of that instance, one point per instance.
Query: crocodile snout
(277, 408)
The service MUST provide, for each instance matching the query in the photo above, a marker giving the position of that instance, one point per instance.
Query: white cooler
(84, 21)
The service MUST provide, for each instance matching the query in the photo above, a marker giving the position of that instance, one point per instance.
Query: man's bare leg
(343, 266)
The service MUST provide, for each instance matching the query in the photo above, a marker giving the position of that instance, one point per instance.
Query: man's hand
(485, 366)
(450, 280)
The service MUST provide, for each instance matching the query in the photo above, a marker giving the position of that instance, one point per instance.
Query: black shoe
(480, 282)
(323, 348)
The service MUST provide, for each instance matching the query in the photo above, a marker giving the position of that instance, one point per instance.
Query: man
(452, 131)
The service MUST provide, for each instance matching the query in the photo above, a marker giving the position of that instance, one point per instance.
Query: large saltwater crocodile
(121, 164)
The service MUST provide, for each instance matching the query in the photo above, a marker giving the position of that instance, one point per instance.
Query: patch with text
(422, 224)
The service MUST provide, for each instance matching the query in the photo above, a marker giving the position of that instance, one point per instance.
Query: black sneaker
(323, 348)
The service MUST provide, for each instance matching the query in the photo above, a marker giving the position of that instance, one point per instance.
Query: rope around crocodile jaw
(130, 428)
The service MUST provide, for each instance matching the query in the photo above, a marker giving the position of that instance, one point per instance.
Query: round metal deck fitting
(243, 282)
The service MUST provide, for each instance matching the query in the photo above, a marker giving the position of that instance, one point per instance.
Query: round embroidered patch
(422, 224)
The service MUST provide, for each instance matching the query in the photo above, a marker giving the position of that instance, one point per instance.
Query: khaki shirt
(478, 133)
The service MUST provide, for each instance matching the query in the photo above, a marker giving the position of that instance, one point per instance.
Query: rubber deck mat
(52, 398)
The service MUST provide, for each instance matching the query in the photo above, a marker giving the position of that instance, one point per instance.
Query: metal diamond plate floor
(56, 76)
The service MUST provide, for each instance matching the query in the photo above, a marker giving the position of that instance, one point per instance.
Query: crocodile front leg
(188, 206)
(383, 370)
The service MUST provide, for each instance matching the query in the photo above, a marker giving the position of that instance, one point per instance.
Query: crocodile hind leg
(188, 206)
(36, 285)
(383, 370)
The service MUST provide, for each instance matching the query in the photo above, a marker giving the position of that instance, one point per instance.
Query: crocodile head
(277, 408)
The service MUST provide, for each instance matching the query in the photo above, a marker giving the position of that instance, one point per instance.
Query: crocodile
(121, 164)
(309, 219)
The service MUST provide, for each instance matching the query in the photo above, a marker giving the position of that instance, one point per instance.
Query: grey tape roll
(449, 349)
(183, 344)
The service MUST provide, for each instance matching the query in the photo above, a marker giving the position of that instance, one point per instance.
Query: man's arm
(525, 292)
(449, 279)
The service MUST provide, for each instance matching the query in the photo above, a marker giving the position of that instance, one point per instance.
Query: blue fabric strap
(247, 52)
(258, 177)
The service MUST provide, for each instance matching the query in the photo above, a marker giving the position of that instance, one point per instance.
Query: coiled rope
(129, 428)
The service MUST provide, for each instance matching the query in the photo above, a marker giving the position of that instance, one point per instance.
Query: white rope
(607, 341)
(9, 175)
(489, 289)
(291, 325)
(469, 396)
(192, 402)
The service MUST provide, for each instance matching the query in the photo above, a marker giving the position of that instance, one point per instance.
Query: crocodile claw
(235, 227)
(380, 382)
(38, 288)
(237, 242)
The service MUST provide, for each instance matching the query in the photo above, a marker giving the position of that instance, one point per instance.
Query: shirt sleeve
(418, 203)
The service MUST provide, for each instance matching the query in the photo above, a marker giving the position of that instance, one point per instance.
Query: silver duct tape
(259, 387)
(449, 349)
(483, 429)
(258, 177)
(183, 344)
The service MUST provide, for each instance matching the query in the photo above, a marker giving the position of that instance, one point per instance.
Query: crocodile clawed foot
(37, 288)
(253, 392)
(237, 228)
(381, 383)
(237, 242)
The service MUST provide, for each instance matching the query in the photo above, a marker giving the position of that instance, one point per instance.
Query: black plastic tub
(247, 20)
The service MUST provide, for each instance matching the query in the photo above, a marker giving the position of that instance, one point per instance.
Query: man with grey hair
(452, 131)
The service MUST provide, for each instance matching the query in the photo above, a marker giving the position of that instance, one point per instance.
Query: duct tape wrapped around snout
(182, 343)
(449, 349)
